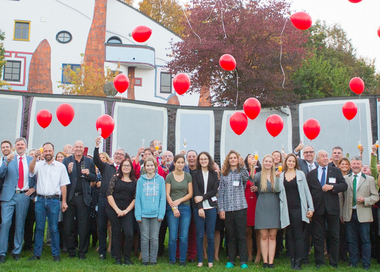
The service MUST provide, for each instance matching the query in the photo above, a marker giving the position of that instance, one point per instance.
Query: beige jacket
(367, 189)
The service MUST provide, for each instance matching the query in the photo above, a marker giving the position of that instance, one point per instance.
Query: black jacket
(326, 201)
(198, 187)
(107, 170)
(89, 164)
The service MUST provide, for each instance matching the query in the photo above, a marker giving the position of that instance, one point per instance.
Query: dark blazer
(329, 200)
(198, 187)
(304, 167)
(89, 164)
(108, 170)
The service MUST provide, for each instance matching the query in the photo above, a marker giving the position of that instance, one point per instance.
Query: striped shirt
(232, 198)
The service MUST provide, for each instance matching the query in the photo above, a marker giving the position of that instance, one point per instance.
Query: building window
(74, 67)
(22, 31)
(166, 83)
(64, 37)
(138, 81)
(115, 39)
(12, 70)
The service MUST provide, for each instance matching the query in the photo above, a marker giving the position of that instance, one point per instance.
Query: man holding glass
(81, 170)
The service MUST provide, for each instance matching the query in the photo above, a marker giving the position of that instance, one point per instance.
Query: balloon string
(360, 123)
(237, 88)
(221, 14)
(187, 19)
(253, 142)
(282, 69)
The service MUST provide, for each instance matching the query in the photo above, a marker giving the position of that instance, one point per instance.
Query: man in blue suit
(15, 197)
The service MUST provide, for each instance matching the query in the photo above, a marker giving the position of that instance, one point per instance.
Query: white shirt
(26, 172)
(50, 177)
(205, 203)
(358, 175)
(311, 166)
(320, 171)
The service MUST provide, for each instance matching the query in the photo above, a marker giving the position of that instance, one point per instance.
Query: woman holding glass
(267, 217)
(296, 205)
(205, 186)
(121, 202)
(179, 190)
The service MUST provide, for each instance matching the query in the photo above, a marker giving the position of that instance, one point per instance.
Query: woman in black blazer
(205, 187)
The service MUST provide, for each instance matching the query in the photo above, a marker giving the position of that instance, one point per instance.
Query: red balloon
(357, 85)
(65, 114)
(121, 83)
(378, 32)
(106, 124)
(311, 128)
(252, 108)
(274, 124)
(44, 118)
(301, 20)
(227, 62)
(141, 33)
(238, 122)
(181, 83)
(354, 1)
(349, 110)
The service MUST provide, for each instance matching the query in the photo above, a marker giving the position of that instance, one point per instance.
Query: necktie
(323, 182)
(117, 168)
(310, 167)
(354, 192)
(20, 174)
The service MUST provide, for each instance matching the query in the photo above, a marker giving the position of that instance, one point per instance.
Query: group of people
(327, 203)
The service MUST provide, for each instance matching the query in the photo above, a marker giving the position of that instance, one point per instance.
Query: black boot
(293, 263)
(297, 264)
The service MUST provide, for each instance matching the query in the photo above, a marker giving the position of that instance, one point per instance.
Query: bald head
(68, 149)
(78, 149)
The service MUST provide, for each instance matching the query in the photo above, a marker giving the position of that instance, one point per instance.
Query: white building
(43, 36)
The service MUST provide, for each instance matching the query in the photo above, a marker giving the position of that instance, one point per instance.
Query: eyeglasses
(126, 166)
(119, 154)
(308, 152)
(168, 156)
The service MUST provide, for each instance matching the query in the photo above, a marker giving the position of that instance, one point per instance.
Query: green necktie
(354, 192)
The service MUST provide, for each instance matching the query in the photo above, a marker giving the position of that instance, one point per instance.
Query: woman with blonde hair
(267, 216)
(233, 206)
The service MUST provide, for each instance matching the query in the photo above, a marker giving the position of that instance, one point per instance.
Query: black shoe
(366, 267)
(2, 259)
(102, 256)
(128, 262)
(81, 256)
(172, 263)
(145, 263)
(305, 261)
(293, 261)
(57, 258)
(182, 263)
(265, 265)
(191, 260)
(271, 265)
(153, 263)
(34, 257)
(297, 264)
(318, 266)
(72, 254)
(118, 261)
(334, 265)
(16, 257)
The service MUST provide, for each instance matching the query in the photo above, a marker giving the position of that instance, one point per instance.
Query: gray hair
(319, 151)
(21, 139)
(312, 147)
(356, 158)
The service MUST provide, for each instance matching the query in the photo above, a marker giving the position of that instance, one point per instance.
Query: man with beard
(52, 179)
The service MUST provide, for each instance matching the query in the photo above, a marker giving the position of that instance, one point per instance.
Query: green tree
(2, 61)
(167, 12)
(331, 63)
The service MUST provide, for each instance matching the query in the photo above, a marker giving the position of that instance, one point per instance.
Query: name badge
(214, 198)
(235, 183)
(332, 180)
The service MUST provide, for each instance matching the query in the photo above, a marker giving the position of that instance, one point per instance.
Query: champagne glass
(279, 167)
(184, 143)
(142, 142)
(377, 144)
(360, 145)
(256, 155)
(82, 167)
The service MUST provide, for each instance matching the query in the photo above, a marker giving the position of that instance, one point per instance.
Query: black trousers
(236, 223)
(294, 234)
(161, 236)
(118, 223)
(319, 235)
(77, 208)
(306, 236)
(102, 225)
(29, 227)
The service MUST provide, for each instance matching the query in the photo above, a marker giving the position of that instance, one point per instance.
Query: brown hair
(297, 166)
(120, 174)
(210, 166)
(152, 159)
(6, 142)
(62, 153)
(281, 158)
(226, 164)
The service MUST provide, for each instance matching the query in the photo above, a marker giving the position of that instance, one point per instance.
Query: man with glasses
(307, 163)
(107, 170)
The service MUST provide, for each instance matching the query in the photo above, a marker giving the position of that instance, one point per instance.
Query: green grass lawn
(92, 263)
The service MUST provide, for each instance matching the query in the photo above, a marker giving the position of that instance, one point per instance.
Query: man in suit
(15, 197)
(81, 171)
(325, 183)
(357, 213)
(337, 155)
(307, 164)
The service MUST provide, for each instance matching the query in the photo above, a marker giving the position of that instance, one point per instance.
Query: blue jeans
(200, 222)
(50, 208)
(182, 224)
(356, 230)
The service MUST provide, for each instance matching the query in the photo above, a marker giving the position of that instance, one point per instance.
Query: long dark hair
(120, 174)
(210, 166)
(258, 164)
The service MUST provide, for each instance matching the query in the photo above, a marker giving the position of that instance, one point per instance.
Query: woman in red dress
(251, 198)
